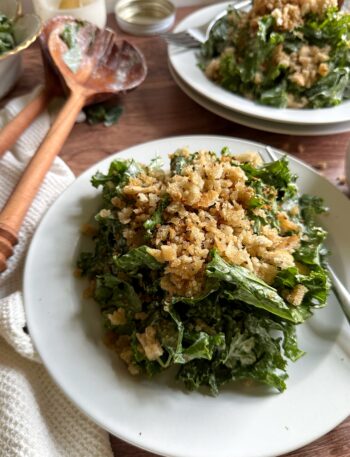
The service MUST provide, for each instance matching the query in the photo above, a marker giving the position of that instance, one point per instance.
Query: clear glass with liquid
(93, 11)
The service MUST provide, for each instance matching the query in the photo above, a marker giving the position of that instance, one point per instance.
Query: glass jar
(93, 11)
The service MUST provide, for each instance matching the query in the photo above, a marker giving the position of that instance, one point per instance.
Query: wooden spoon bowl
(103, 66)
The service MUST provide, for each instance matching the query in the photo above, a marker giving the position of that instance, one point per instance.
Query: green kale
(103, 113)
(330, 90)
(119, 173)
(316, 282)
(275, 96)
(249, 289)
(157, 217)
(112, 292)
(136, 259)
(178, 162)
(237, 327)
(311, 251)
(245, 54)
(217, 40)
(276, 174)
(7, 37)
(310, 207)
(255, 348)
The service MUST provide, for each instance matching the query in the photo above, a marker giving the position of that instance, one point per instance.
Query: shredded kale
(156, 218)
(239, 284)
(135, 259)
(119, 173)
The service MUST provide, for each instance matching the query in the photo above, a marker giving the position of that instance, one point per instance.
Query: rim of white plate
(257, 123)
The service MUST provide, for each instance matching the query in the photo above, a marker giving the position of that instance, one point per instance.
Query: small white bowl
(26, 30)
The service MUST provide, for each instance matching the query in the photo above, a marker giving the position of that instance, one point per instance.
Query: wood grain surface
(159, 109)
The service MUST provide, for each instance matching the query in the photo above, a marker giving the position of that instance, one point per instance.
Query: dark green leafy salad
(7, 38)
(209, 267)
(283, 53)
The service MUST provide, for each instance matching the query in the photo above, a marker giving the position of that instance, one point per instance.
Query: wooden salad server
(10, 133)
(93, 65)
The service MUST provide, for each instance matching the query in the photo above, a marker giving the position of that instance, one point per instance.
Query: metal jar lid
(145, 17)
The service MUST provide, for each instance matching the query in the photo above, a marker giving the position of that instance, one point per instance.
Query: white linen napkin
(36, 419)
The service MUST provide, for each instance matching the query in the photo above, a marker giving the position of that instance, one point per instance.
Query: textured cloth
(36, 419)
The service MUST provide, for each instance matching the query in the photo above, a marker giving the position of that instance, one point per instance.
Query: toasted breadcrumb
(117, 317)
(296, 296)
(150, 344)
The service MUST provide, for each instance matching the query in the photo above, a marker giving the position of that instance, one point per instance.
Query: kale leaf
(250, 289)
(135, 259)
(157, 217)
(103, 113)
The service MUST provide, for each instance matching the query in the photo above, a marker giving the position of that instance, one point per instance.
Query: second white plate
(185, 64)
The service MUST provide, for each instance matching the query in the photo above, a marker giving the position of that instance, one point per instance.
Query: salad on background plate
(282, 53)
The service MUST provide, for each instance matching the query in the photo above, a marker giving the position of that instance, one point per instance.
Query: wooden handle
(13, 213)
(13, 130)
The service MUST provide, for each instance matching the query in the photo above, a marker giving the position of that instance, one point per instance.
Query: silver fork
(195, 37)
(338, 287)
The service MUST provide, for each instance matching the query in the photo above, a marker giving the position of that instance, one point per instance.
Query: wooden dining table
(160, 109)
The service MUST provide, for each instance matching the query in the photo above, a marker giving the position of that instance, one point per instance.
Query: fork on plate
(195, 37)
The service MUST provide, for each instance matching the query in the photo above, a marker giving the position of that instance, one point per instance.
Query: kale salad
(209, 266)
(7, 38)
(282, 53)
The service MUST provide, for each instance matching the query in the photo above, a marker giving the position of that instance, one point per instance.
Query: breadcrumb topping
(209, 208)
(289, 13)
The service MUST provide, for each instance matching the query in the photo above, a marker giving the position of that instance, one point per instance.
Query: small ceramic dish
(27, 28)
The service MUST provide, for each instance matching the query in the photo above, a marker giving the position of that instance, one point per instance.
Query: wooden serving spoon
(13, 130)
(103, 67)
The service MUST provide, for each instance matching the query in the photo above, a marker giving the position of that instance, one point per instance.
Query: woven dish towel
(36, 419)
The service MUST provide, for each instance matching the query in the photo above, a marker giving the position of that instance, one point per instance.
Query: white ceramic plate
(157, 414)
(186, 65)
(260, 124)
